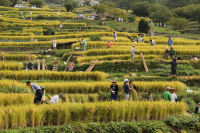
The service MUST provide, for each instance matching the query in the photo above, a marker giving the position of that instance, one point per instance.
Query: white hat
(133, 45)
(168, 88)
(125, 80)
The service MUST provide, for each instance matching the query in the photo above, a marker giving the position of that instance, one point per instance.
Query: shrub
(183, 122)
(178, 23)
(132, 18)
(49, 31)
(70, 5)
(143, 26)
(38, 3)
(95, 38)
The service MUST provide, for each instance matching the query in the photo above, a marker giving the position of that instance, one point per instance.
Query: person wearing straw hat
(126, 89)
(167, 96)
(114, 90)
(197, 109)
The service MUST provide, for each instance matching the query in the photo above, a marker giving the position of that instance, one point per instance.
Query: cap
(114, 81)
(28, 82)
(133, 45)
(168, 88)
(125, 80)
(60, 95)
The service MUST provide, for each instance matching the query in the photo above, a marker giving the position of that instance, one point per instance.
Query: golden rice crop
(119, 39)
(80, 35)
(81, 98)
(143, 49)
(89, 59)
(18, 57)
(7, 99)
(11, 66)
(50, 75)
(190, 78)
(36, 43)
(177, 41)
(4, 84)
(47, 115)
(103, 44)
(97, 87)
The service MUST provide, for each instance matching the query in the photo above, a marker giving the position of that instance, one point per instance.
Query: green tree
(5, 3)
(131, 18)
(70, 5)
(141, 9)
(38, 3)
(161, 15)
(143, 26)
(14, 2)
(100, 9)
(178, 23)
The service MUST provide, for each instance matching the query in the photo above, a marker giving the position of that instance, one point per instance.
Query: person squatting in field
(56, 98)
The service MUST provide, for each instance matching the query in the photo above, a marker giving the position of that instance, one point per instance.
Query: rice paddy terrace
(87, 106)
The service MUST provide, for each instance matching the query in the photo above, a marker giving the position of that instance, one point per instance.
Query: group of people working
(129, 87)
(40, 94)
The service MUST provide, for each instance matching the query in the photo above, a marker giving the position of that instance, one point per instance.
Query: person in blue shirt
(126, 89)
(84, 45)
(170, 42)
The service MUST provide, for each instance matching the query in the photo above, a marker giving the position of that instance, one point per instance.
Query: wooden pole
(144, 63)
(38, 63)
(43, 64)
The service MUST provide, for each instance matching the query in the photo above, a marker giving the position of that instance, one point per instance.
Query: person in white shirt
(152, 42)
(133, 52)
(55, 99)
(174, 96)
(54, 43)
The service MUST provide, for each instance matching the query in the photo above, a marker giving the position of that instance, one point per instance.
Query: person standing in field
(174, 96)
(166, 53)
(134, 93)
(133, 52)
(115, 36)
(84, 44)
(126, 90)
(170, 42)
(110, 44)
(54, 43)
(43, 95)
(114, 90)
(38, 92)
(172, 52)
(167, 96)
(150, 97)
(55, 99)
(61, 26)
(173, 67)
(71, 66)
(197, 109)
